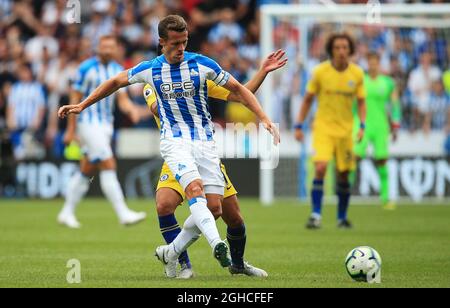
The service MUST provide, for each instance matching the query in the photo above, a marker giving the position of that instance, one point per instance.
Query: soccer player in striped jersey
(337, 83)
(94, 128)
(170, 194)
(383, 119)
(187, 143)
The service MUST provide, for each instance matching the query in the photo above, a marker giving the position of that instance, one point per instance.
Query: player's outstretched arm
(104, 90)
(251, 102)
(271, 63)
(303, 113)
(69, 135)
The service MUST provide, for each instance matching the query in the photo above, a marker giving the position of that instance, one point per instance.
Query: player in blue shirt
(94, 128)
(187, 144)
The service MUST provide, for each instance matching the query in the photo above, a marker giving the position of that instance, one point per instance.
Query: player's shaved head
(171, 23)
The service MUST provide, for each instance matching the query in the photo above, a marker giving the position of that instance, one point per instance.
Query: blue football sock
(343, 193)
(237, 239)
(316, 197)
(170, 230)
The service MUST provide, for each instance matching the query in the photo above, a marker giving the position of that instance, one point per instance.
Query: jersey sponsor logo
(164, 178)
(168, 90)
(341, 93)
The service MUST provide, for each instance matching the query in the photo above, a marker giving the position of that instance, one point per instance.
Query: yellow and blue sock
(316, 197)
(343, 193)
(170, 230)
(237, 239)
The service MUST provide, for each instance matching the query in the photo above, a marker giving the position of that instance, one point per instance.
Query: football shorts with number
(333, 124)
(167, 180)
(379, 92)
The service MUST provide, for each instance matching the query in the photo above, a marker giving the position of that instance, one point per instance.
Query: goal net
(400, 33)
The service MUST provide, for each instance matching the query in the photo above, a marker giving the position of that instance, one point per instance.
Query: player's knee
(380, 162)
(195, 189)
(165, 207)
(235, 221)
(216, 210)
(321, 171)
(343, 177)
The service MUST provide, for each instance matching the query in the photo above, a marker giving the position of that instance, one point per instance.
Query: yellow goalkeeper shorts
(167, 180)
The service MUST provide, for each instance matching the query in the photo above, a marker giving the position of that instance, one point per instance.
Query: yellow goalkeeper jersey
(336, 92)
(214, 91)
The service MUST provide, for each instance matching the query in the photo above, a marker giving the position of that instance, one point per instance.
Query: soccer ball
(364, 264)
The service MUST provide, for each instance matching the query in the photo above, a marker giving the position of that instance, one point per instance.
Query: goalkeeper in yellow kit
(170, 194)
(336, 83)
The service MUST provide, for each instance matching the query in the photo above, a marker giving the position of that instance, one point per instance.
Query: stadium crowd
(42, 43)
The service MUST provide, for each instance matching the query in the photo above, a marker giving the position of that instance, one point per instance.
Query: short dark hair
(171, 23)
(373, 55)
(337, 36)
(108, 37)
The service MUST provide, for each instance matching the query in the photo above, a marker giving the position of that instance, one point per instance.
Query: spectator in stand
(419, 84)
(101, 22)
(226, 28)
(439, 107)
(25, 114)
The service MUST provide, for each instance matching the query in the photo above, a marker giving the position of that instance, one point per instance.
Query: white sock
(188, 236)
(204, 220)
(77, 188)
(112, 190)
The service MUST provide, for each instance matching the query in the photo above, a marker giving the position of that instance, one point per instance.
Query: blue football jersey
(182, 95)
(91, 73)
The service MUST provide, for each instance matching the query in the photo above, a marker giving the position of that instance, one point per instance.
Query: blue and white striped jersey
(26, 99)
(182, 93)
(91, 74)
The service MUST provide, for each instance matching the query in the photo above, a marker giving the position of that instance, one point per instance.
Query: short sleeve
(139, 73)
(217, 92)
(213, 71)
(149, 95)
(80, 83)
(360, 90)
(313, 85)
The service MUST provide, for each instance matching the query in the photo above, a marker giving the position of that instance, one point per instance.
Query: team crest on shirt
(164, 178)
(147, 93)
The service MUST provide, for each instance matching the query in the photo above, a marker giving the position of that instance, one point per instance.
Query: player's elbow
(119, 81)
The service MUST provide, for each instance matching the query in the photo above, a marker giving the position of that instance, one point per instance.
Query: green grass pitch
(414, 243)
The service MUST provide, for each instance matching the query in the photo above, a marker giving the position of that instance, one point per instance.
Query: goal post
(303, 17)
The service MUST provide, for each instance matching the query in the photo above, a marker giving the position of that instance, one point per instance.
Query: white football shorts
(194, 160)
(96, 141)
